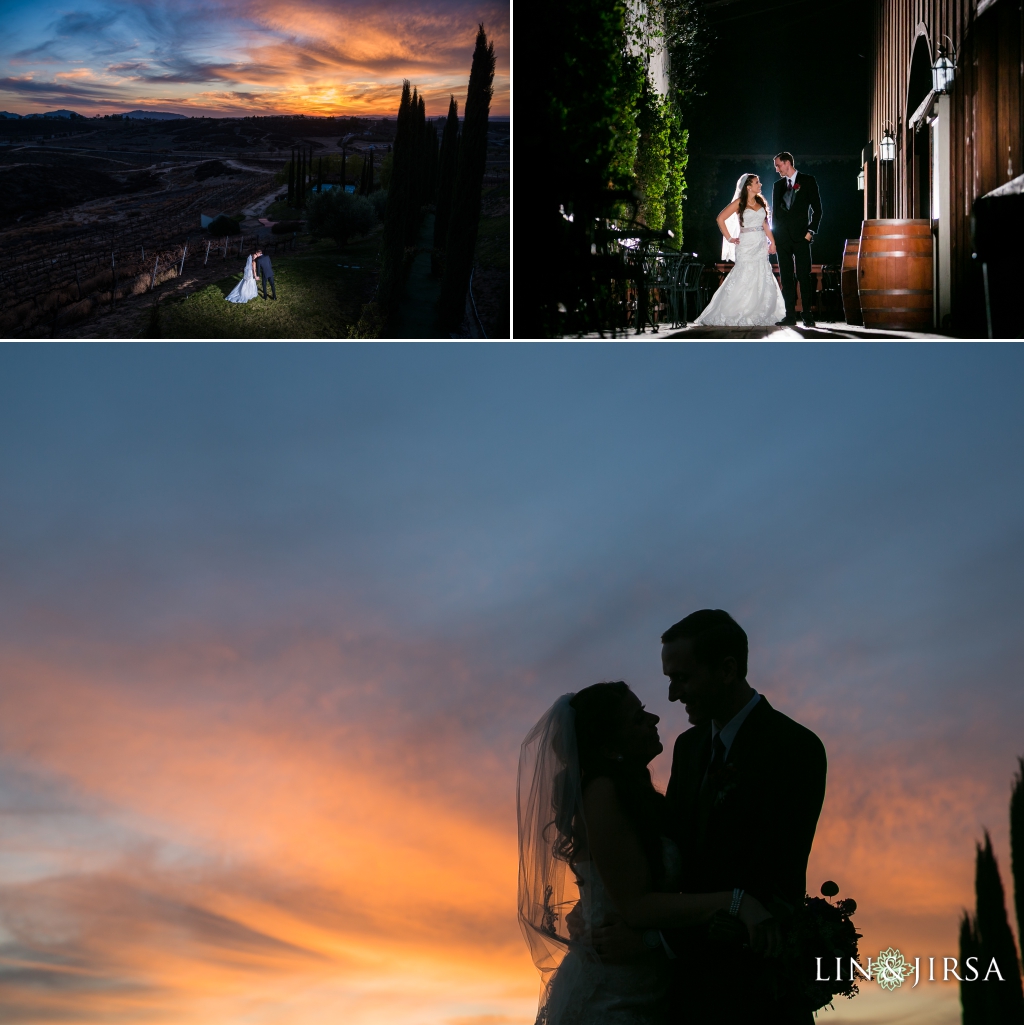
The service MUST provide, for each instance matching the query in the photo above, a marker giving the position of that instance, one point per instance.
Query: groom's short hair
(715, 635)
(785, 156)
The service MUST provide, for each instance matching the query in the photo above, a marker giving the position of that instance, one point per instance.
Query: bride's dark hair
(743, 198)
(599, 718)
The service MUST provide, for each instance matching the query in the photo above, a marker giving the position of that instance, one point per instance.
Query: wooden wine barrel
(894, 274)
(851, 300)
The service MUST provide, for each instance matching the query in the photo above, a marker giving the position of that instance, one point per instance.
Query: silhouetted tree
(465, 216)
(972, 997)
(396, 215)
(366, 181)
(1017, 847)
(432, 156)
(291, 180)
(1004, 1002)
(320, 175)
(416, 142)
(448, 166)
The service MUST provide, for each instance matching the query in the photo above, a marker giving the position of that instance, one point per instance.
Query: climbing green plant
(678, 137)
(652, 156)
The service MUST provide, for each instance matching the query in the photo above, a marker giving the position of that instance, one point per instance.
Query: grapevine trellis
(64, 272)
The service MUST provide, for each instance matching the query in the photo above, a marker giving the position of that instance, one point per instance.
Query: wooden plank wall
(987, 102)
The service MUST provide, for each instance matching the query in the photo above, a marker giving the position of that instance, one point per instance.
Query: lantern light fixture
(944, 68)
(860, 180)
(887, 147)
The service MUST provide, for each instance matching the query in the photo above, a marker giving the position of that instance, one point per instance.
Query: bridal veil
(549, 799)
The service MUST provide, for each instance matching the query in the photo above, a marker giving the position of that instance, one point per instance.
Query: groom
(266, 273)
(796, 214)
(746, 788)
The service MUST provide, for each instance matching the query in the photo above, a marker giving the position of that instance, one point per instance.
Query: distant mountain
(156, 115)
(56, 113)
(15, 117)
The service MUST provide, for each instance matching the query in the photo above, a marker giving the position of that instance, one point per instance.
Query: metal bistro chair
(689, 286)
(661, 269)
(674, 264)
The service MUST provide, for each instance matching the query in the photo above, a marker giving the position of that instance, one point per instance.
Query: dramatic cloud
(305, 57)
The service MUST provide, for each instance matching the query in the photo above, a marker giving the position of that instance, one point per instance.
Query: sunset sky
(229, 58)
(275, 619)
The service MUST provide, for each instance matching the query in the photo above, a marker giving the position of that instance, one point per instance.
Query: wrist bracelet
(737, 898)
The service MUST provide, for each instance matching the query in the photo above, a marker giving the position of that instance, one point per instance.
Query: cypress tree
(1017, 847)
(344, 167)
(446, 175)
(460, 245)
(291, 180)
(320, 175)
(972, 997)
(1004, 1002)
(302, 180)
(431, 163)
(396, 215)
(369, 174)
(415, 138)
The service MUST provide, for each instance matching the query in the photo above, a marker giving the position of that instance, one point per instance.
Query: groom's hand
(616, 943)
(809, 236)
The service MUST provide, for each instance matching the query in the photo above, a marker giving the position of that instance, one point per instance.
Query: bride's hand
(762, 927)
(735, 241)
(771, 248)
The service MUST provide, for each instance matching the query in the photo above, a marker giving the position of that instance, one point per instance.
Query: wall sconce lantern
(860, 180)
(944, 68)
(887, 147)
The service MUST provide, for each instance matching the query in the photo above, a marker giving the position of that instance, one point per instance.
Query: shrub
(379, 202)
(339, 215)
(285, 227)
(224, 225)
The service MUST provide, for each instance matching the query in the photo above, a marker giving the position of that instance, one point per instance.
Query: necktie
(708, 786)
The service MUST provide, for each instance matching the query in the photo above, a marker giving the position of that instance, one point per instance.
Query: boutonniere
(729, 778)
(796, 186)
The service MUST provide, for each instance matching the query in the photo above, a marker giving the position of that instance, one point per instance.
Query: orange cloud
(300, 857)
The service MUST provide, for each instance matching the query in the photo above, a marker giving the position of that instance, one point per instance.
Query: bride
(591, 821)
(750, 296)
(247, 288)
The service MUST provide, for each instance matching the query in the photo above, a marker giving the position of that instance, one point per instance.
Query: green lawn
(316, 298)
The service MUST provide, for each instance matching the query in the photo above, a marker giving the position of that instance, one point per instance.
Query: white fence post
(152, 280)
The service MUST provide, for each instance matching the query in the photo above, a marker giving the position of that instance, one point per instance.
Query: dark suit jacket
(753, 830)
(263, 267)
(804, 215)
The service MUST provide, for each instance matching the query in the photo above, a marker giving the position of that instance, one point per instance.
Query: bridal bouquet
(820, 928)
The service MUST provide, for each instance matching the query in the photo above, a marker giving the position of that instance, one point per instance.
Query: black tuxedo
(266, 272)
(752, 828)
(790, 226)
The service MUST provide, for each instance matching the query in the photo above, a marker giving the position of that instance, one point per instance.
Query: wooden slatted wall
(987, 102)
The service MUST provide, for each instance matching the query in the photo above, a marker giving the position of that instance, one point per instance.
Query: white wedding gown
(750, 296)
(585, 993)
(247, 288)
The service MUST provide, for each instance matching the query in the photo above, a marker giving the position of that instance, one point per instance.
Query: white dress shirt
(732, 727)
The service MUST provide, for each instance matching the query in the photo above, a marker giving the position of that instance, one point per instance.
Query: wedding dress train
(247, 288)
(750, 296)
